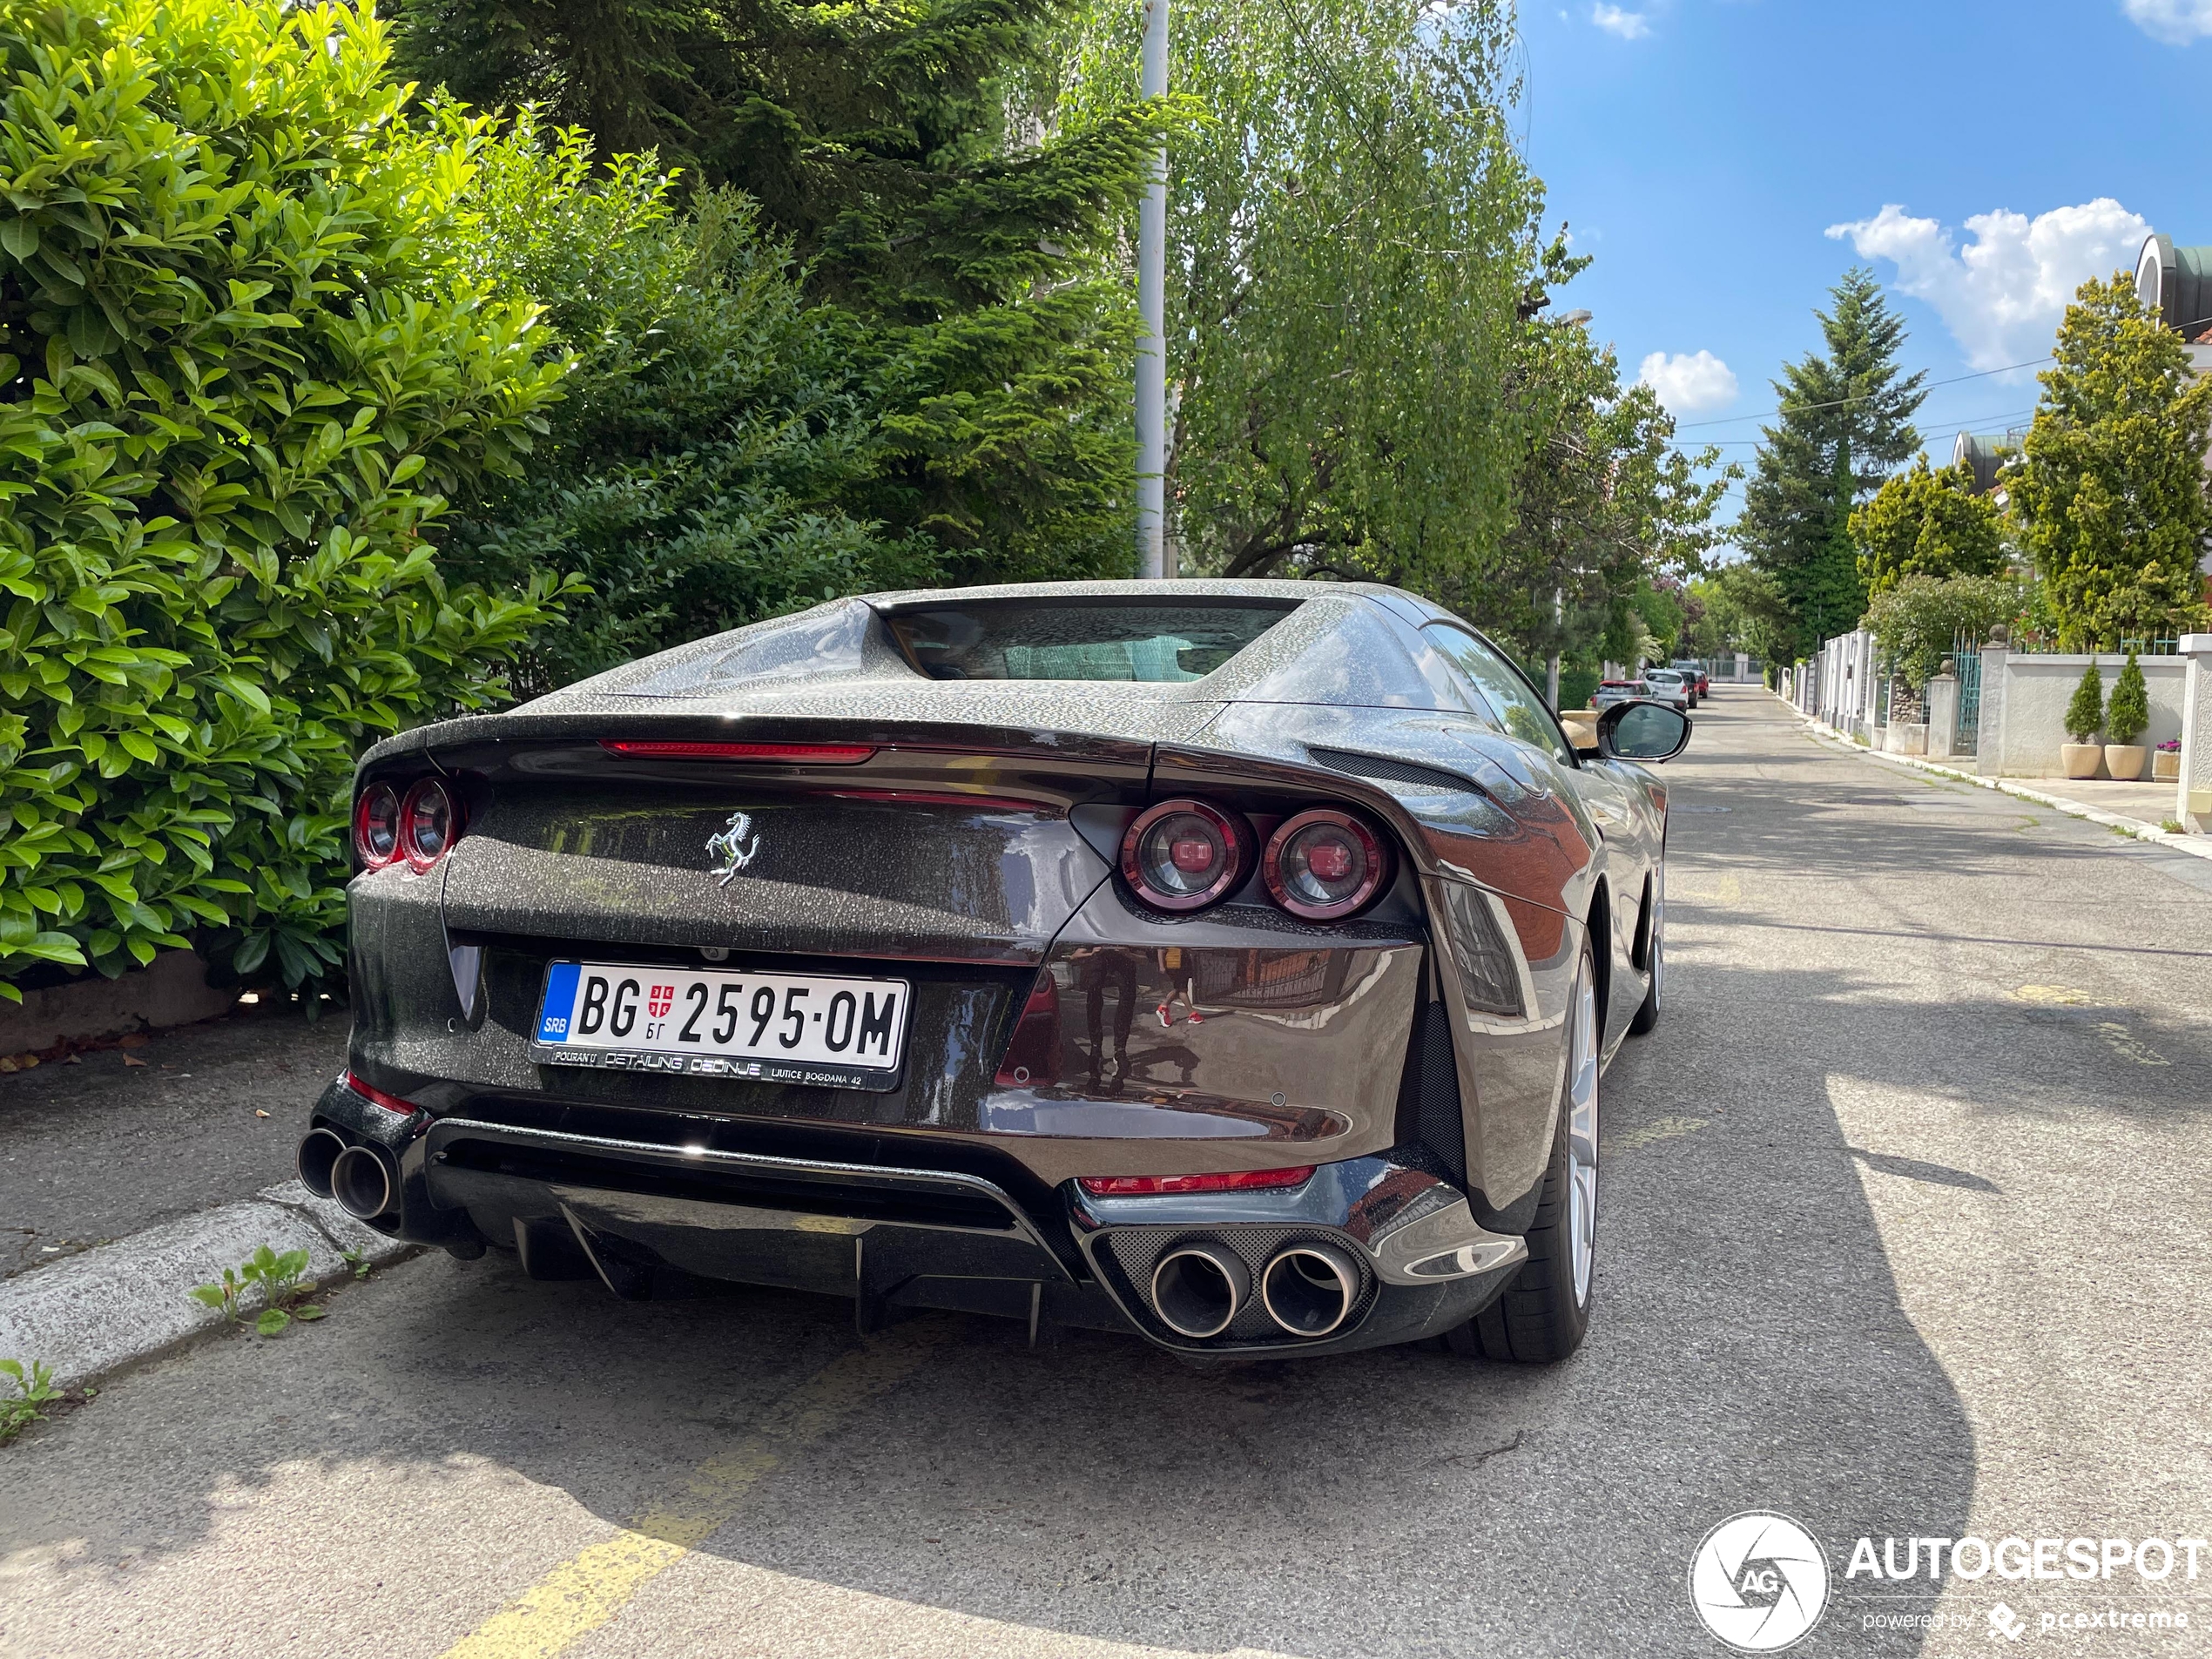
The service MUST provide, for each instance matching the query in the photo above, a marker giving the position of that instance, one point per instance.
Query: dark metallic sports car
(1228, 962)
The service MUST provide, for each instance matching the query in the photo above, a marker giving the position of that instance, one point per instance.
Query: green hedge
(238, 371)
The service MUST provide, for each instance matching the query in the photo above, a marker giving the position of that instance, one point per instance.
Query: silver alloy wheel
(1581, 1138)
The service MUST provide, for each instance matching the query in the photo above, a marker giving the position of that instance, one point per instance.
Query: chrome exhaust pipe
(1198, 1289)
(320, 1149)
(1309, 1289)
(363, 1183)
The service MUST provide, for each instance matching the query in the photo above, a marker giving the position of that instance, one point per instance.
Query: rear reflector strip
(388, 1100)
(817, 754)
(1131, 1186)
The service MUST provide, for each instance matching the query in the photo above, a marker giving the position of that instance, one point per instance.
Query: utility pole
(1551, 676)
(1152, 306)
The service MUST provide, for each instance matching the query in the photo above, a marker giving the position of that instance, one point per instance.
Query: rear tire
(1545, 1312)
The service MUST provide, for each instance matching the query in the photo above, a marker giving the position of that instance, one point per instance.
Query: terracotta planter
(2166, 765)
(2081, 759)
(2124, 761)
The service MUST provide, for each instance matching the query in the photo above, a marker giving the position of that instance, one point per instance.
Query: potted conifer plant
(2084, 717)
(2124, 718)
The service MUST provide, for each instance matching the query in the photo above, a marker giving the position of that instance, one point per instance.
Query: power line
(1837, 403)
(1969, 426)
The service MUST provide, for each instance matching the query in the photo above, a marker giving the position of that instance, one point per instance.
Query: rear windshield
(1064, 639)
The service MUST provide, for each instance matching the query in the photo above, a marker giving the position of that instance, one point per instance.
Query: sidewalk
(2117, 806)
(136, 1173)
(2148, 803)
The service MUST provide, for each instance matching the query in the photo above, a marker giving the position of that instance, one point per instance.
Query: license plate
(771, 1028)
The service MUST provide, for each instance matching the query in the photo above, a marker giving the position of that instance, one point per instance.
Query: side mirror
(1650, 733)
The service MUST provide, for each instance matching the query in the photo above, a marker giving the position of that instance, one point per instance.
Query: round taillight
(1324, 864)
(376, 825)
(426, 825)
(1184, 854)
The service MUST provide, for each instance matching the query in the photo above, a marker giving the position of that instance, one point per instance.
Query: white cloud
(1634, 25)
(2177, 22)
(1690, 382)
(2002, 294)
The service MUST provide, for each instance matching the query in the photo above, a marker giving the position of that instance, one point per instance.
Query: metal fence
(1967, 664)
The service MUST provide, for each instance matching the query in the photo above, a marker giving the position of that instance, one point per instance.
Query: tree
(1351, 231)
(713, 460)
(240, 368)
(1918, 619)
(1367, 378)
(1926, 523)
(1744, 611)
(2129, 711)
(965, 256)
(1845, 421)
(2109, 494)
(2086, 711)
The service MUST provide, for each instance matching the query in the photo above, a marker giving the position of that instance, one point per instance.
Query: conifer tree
(1845, 423)
(967, 261)
(2110, 493)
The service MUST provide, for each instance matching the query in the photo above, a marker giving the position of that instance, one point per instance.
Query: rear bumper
(886, 1226)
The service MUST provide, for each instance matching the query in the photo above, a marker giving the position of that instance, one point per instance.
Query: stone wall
(171, 990)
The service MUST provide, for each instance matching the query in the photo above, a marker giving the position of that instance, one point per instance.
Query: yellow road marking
(1659, 1129)
(2063, 994)
(2127, 1046)
(1727, 890)
(592, 1586)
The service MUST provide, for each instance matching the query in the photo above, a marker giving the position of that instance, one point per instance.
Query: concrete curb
(2195, 846)
(92, 1313)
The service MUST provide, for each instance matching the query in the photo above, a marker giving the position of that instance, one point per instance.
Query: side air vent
(1428, 1092)
(1487, 975)
(1394, 772)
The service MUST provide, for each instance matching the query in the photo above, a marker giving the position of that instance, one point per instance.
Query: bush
(239, 368)
(2087, 712)
(701, 469)
(2129, 710)
(1917, 620)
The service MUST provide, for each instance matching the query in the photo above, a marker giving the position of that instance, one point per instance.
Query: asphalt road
(1903, 1233)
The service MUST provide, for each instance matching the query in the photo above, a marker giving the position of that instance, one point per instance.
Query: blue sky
(1702, 150)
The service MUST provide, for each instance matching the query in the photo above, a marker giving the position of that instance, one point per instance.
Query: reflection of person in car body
(1179, 984)
(1096, 971)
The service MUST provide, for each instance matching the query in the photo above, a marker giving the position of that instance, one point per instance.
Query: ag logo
(1759, 1582)
(733, 848)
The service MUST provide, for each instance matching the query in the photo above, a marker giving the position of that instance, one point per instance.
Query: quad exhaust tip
(361, 1182)
(1309, 1289)
(319, 1150)
(1198, 1289)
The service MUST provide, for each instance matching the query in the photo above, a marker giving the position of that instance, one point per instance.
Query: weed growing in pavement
(278, 1277)
(34, 1388)
(2172, 826)
(361, 1265)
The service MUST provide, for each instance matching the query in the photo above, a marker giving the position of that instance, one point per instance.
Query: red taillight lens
(1184, 854)
(390, 1103)
(376, 825)
(428, 825)
(1324, 864)
(1135, 1186)
(1033, 1058)
(816, 754)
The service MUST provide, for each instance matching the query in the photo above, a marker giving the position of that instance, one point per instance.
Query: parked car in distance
(1611, 691)
(1701, 680)
(1228, 964)
(1665, 685)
